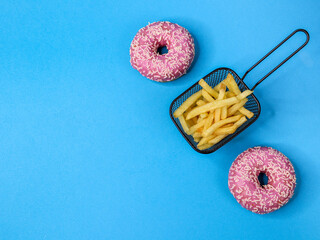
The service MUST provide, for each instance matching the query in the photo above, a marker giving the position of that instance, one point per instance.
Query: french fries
(197, 135)
(207, 96)
(225, 130)
(196, 139)
(186, 104)
(212, 106)
(232, 110)
(246, 112)
(232, 129)
(205, 140)
(213, 113)
(217, 139)
(224, 112)
(200, 103)
(209, 121)
(205, 146)
(204, 115)
(216, 125)
(196, 127)
(217, 112)
(244, 94)
(230, 94)
(232, 85)
(206, 87)
(183, 123)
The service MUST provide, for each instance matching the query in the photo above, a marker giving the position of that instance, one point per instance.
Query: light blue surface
(87, 148)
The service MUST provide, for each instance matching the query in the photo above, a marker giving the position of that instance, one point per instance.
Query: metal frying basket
(218, 75)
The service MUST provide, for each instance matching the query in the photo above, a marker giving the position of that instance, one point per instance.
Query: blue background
(87, 147)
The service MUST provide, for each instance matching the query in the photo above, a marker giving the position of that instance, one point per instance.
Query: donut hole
(263, 179)
(162, 50)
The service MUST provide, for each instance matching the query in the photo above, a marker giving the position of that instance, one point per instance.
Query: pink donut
(166, 67)
(245, 186)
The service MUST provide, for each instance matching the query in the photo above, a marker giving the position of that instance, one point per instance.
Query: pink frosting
(166, 67)
(245, 186)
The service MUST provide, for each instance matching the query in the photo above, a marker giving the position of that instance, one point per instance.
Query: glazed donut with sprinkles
(144, 55)
(245, 186)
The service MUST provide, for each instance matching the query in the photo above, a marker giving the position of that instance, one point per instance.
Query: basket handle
(275, 48)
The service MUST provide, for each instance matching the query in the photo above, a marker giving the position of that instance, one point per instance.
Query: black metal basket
(218, 75)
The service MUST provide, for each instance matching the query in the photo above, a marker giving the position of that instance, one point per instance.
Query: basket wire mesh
(213, 79)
